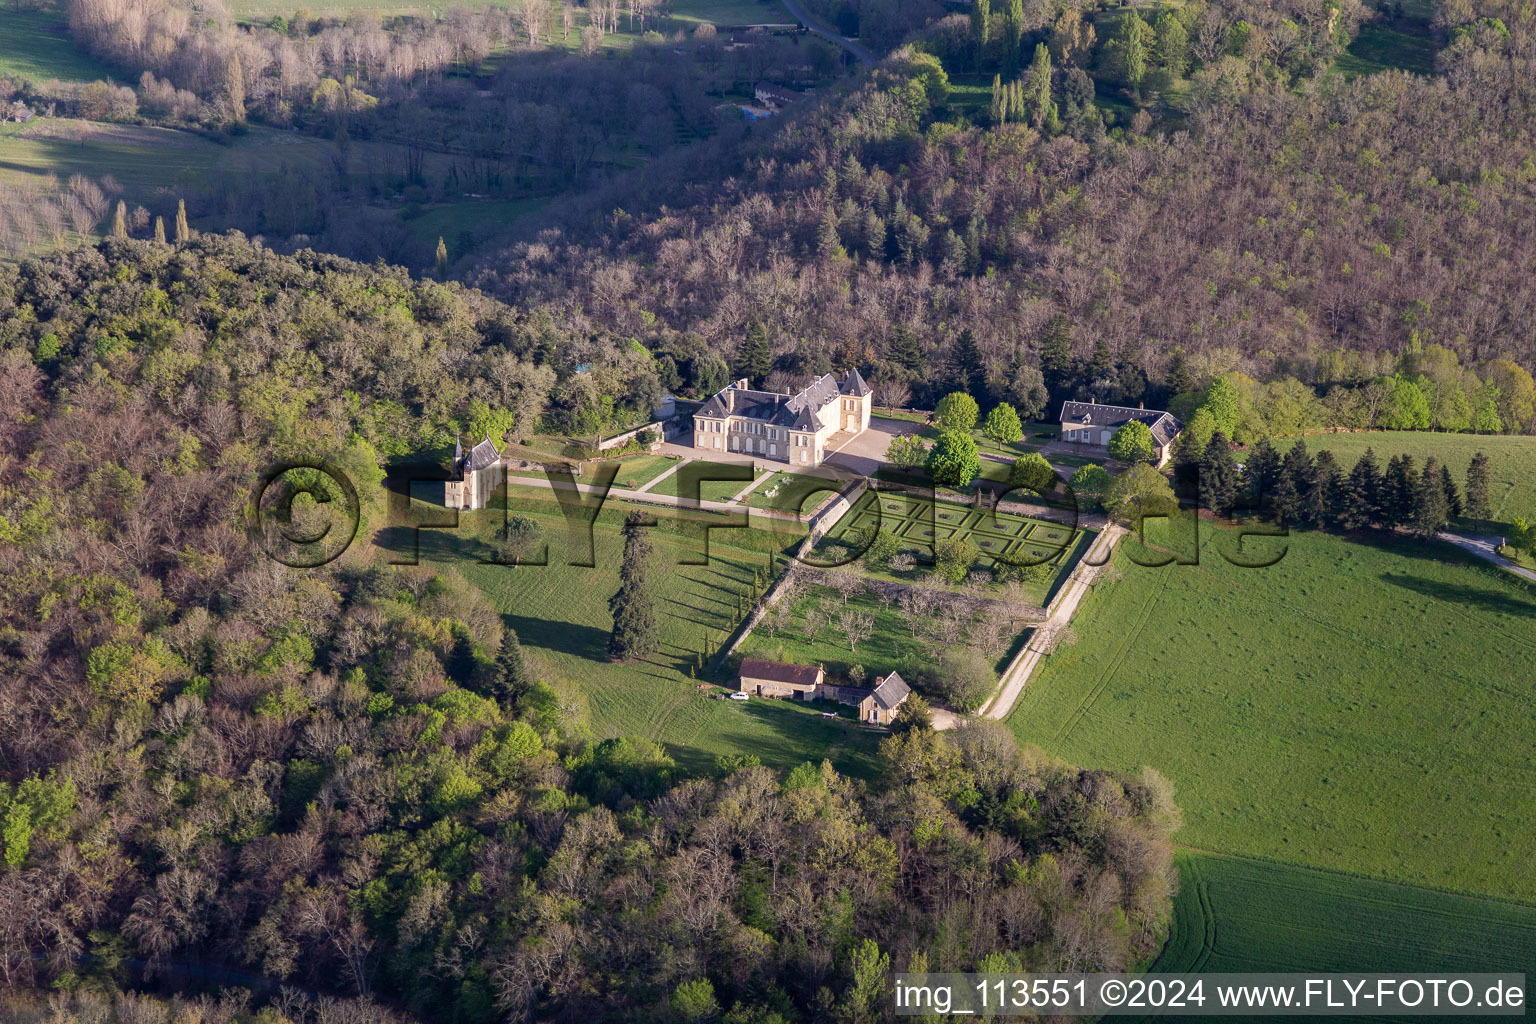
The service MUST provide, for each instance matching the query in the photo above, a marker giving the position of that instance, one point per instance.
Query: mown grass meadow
(1358, 706)
(560, 612)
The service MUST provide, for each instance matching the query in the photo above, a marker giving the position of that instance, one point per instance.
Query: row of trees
(1426, 388)
(1317, 492)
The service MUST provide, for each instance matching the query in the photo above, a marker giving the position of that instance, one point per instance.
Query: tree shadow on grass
(1457, 593)
(565, 637)
(799, 736)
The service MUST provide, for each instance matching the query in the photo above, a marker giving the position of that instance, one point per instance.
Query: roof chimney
(1092, 400)
(1141, 405)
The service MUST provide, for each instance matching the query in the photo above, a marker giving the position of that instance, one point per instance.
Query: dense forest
(352, 781)
(1292, 225)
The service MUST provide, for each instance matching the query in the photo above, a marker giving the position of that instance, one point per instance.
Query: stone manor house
(793, 429)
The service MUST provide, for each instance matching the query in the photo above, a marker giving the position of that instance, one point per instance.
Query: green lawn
(1236, 914)
(635, 471)
(36, 45)
(561, 614)
(1354, 707)
(1378, 48)
(793, 492)
(709, 490)
(1511, 460)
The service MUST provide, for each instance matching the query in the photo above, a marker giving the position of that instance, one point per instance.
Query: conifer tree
(969, 373)
(1188, 456)
(1477, 506)
(1056, 351)
(1261, 471)
(1452, 495)
(1399, 488)
(442, 259)
(1362, 498)
(1218, 476)
(183, 231)
(512, 679)
(635, 630)
(1293, 488)
(755, 359)
(1326, 502)
(1179, 379)
(1431, 511)
(907, 351)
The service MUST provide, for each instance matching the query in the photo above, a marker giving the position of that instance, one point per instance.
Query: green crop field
(561, 615)
(1236, 914)
(1511, 460)
(1353, 707)
(35, 45)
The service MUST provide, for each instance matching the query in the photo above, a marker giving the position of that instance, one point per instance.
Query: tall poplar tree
(183, 231)
(1013, 35)
(981, 28)
(1037, 89)
(1132, 46)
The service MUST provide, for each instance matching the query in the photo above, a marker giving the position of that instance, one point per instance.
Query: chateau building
(786, 428)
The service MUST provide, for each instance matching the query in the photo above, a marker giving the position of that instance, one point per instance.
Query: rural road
(1077, 587)
(858, 50)
(1487, 547)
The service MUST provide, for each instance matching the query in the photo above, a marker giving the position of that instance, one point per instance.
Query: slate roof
(798, 412)
(482, 456)
(1163, 425)
(891, 692)
(779, 672)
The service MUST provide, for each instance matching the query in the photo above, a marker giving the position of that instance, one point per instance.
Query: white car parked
(738, 695)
